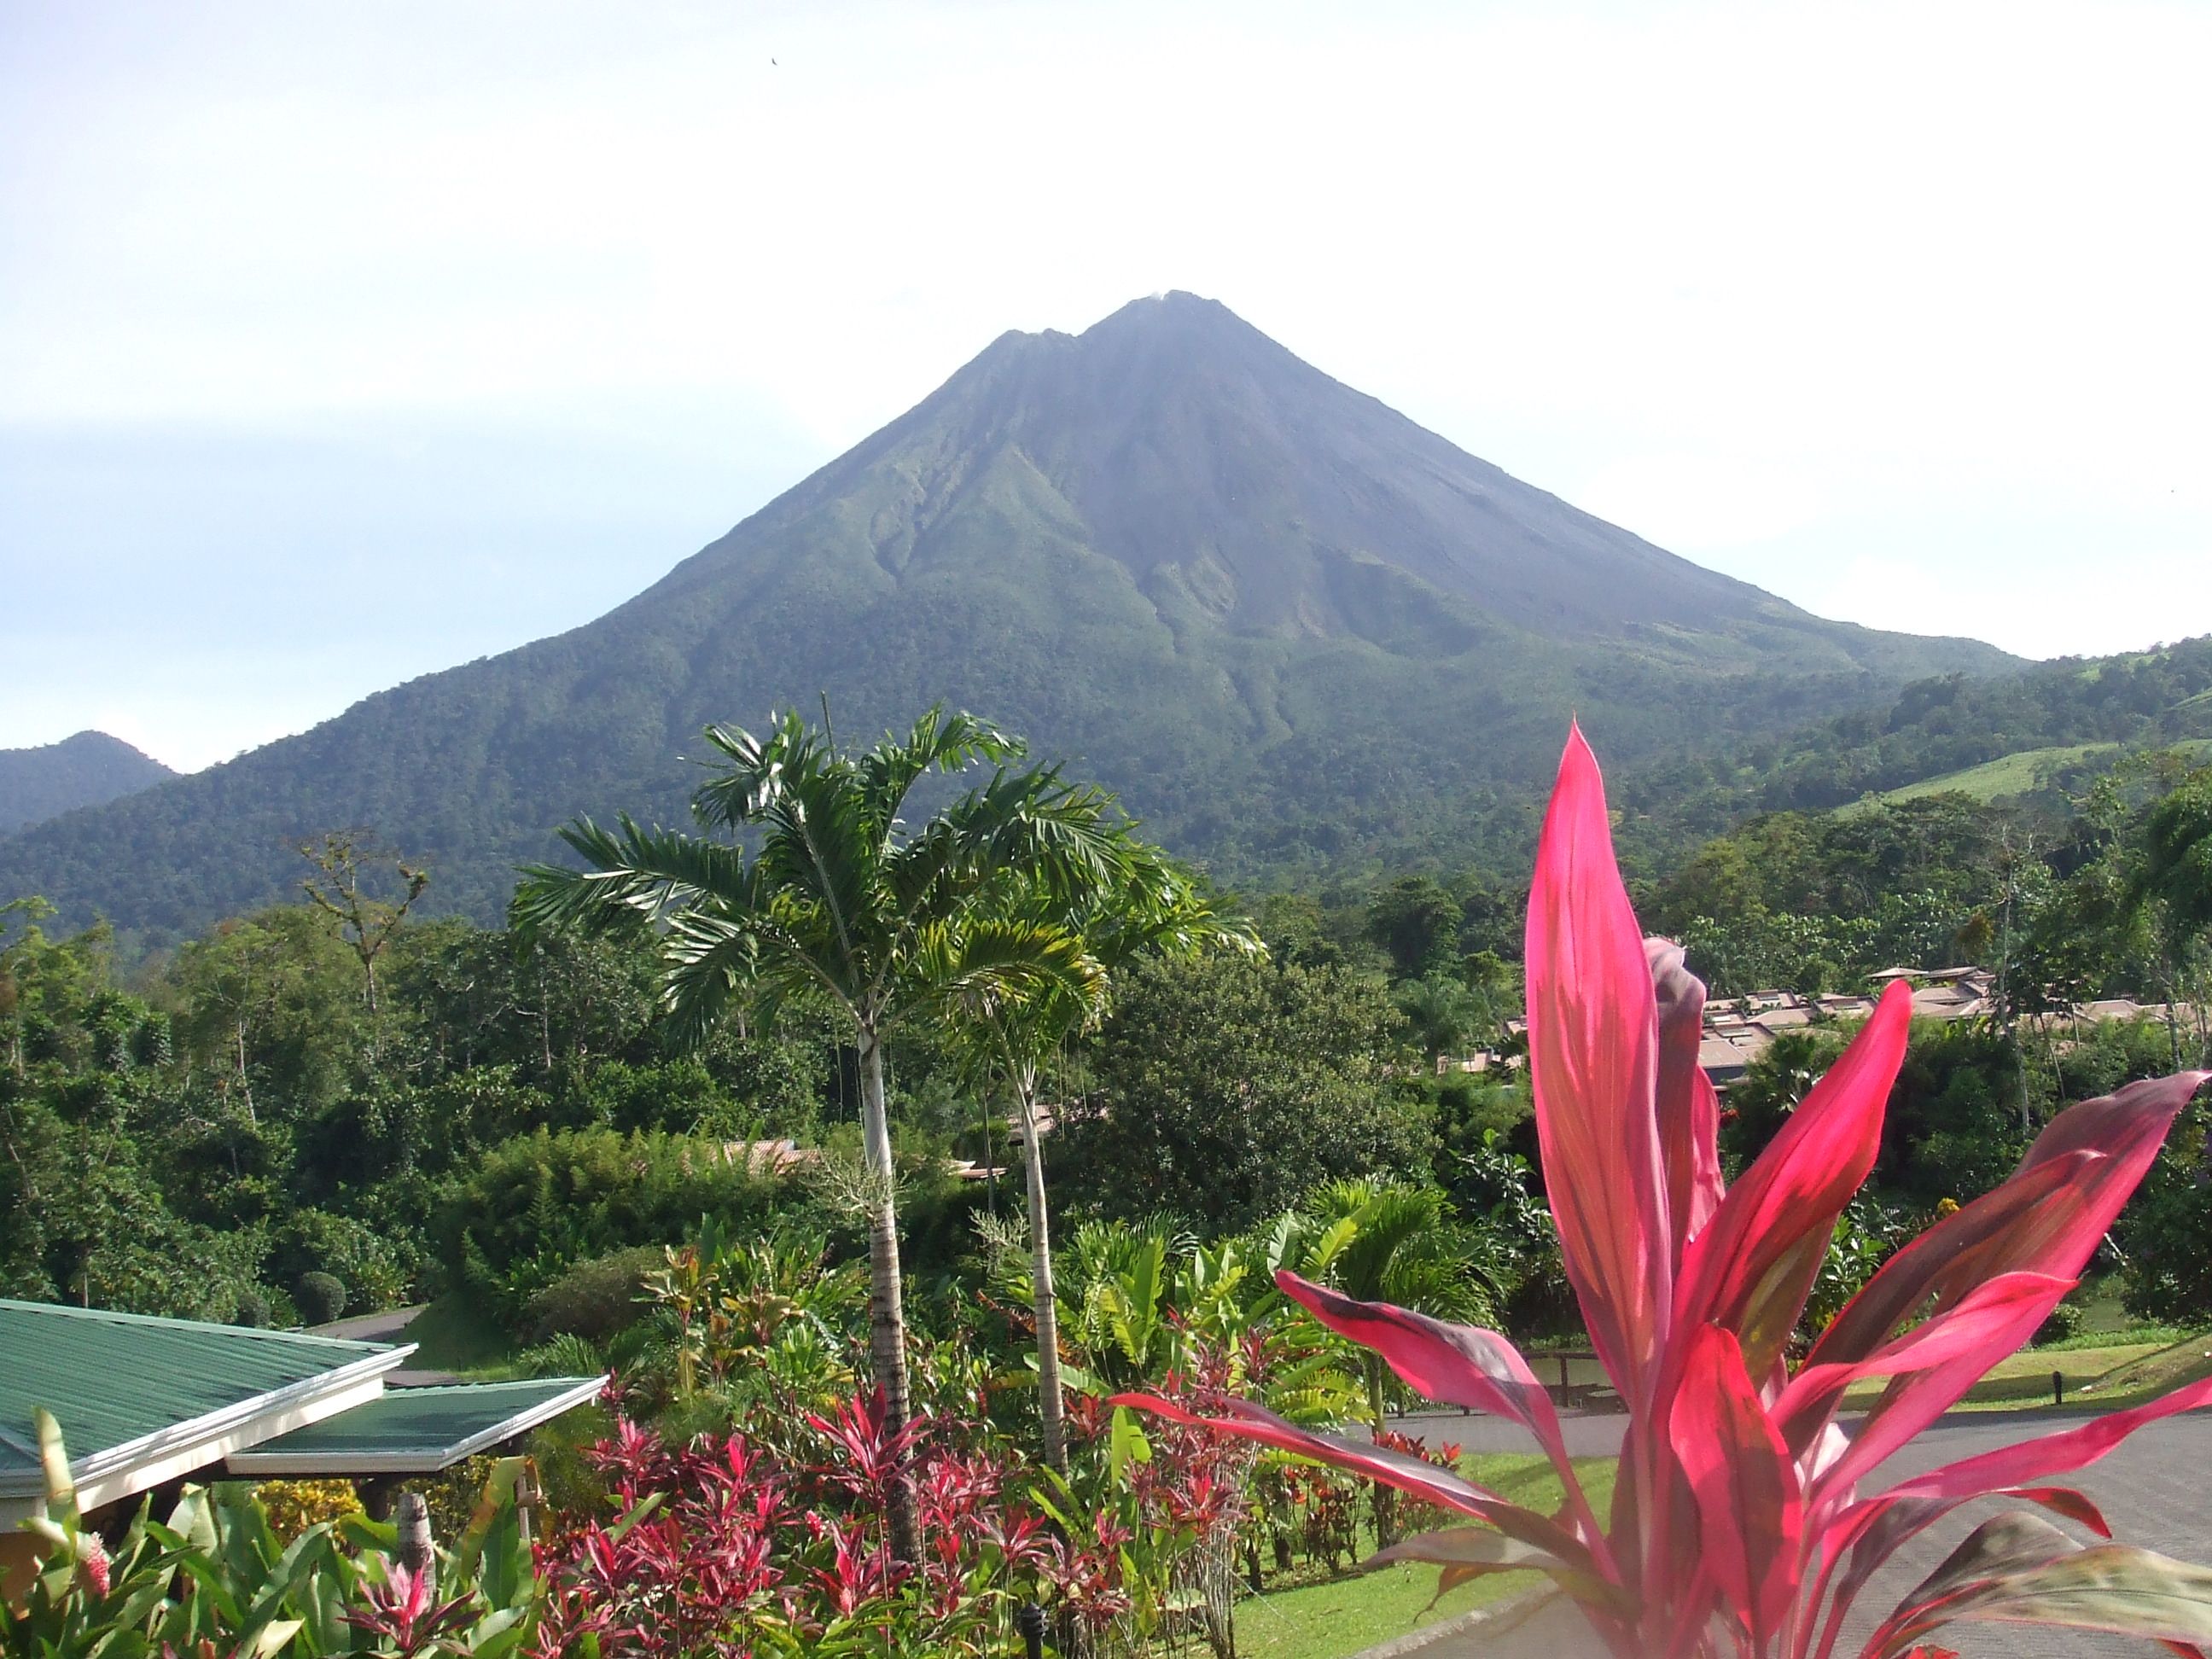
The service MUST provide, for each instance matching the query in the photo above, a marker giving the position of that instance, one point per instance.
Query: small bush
(254, 1311)
(321, 1298)
(535, 1207)
(293, 1506)
(2063, 1325)
(565, 1355)
(594, 1299)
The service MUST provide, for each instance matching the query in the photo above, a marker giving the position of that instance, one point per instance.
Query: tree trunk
(1386, 1503)
(1052, 1405)
(2172, 1019)
(246, 1084)
(886, 1298)
(545, 1022)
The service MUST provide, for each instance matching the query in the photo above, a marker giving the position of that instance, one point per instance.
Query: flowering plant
(1739, 1524)
(723, 1546)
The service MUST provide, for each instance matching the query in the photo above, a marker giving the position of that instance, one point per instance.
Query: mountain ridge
(1294, 629)
(87, 768)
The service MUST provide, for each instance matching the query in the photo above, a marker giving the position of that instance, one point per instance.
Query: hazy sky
(340, 344)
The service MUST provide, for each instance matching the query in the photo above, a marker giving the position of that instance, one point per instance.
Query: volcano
(1298, 633)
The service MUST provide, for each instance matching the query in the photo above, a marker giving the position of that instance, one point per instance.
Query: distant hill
(2051, 723)
(85, 770)
(1300, 634)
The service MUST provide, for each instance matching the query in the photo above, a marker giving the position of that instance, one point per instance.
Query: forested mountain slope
(2059, 721)
(1298, 632)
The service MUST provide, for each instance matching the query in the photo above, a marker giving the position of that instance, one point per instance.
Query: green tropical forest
(674, 1117)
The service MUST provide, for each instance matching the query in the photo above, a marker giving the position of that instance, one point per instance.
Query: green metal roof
(415, 1431)
(114, 1380)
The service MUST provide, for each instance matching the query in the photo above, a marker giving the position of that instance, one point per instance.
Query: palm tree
(1440, 1015)
(841, 898)
(1405, 1248)
(1142, 904)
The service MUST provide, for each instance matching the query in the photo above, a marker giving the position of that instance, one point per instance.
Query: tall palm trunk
(886, 1298)
(1386, 1499)
(1052, 1405)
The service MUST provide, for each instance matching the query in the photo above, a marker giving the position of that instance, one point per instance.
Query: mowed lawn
(1342, 1616)
(2146, 1378)
(2024, 1379)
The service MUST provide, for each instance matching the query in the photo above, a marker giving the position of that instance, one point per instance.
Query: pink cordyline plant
(1739, 1522)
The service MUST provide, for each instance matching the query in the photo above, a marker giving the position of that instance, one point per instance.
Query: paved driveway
(2156, 1490)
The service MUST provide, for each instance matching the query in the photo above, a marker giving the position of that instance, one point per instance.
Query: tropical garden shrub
(347, 1249)
(535, 1206)
(221, 1574)
(1739, 1525)
(319, 1296)
(293, 1506)
(595, 1299)
(774, 1539)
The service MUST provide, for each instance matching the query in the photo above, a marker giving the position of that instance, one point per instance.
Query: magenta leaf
(1750, 1513)
(1751, 1270)
(2052, 1454)
(1407, 1474)
(1986, 1325)
(2047, 1218)
(1452, 1364)
(1593, 1042)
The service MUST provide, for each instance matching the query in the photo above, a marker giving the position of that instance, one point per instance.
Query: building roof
(1725, 1060)
(138, 1397)
(415, 1431)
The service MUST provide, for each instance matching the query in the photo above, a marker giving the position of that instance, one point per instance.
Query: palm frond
(754, 770)
(939, 742)
(628, 870)
(984, 965)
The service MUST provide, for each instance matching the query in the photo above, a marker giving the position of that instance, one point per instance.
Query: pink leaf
(1592, 1041)
(1874, 1528)
(1918, 1398)
(2047, 1218)
(1904, 1284)
(1407, 1474)
(1868, 1533)
(2052, 1454)
(1751, 1269)
(1751, 1514)
(1452, 1364)
(1988, 1318)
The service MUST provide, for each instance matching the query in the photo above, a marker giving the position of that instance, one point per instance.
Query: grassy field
(2150, 1374)
(2019, 773)
(1339, 1616)
(2008, 775)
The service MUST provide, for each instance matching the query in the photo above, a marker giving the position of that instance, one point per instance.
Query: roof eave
(107, 1474)
(414, 1459)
